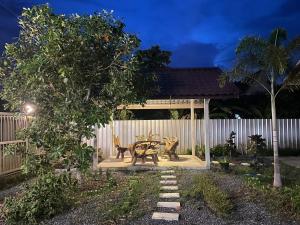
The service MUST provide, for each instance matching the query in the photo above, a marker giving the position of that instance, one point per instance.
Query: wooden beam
(192, 102)
(206, 128)
(161, 106)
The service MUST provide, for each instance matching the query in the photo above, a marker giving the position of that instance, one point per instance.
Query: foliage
(271, 63)
(205, 187)
(48, 196)
(283, 201)
(129, 201)
(124, 114)
(230, 144)
(75, 70)
(174, 114)
(259, 59)
(218, 151)
(13, 149)
(256, 144)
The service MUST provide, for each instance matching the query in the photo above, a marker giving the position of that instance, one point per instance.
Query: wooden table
(142, 149)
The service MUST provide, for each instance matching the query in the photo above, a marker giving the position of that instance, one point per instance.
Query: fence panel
(10, 124)
(127, 130)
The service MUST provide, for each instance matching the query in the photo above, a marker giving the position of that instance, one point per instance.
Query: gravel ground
(196, 212)
(192, 212)
(11, 191)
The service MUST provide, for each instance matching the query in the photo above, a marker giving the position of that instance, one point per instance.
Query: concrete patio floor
(187, 162)
(292, 161)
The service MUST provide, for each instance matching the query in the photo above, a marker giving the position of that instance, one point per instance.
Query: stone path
(168, 207)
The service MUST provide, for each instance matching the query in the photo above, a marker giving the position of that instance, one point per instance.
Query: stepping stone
(168, 177)
(168, 182)
(169, 188)
(167, 171)
(169, 195)
(165, 216)
(172, 205)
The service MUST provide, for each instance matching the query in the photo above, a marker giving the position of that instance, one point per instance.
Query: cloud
(194, 54)
(213, 27)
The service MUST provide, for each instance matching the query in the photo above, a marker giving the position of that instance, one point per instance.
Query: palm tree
(271, 63)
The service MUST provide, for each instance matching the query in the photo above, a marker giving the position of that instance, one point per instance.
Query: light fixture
(29, 109)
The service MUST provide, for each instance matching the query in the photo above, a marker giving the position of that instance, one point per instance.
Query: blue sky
(198, 32)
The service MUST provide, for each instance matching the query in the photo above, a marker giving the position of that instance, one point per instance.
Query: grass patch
(203, 186)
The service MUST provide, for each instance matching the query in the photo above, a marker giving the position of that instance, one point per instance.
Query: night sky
(198, 32)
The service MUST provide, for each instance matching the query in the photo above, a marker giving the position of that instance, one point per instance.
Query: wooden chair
(143, 149)
(170, 147)
(121, 150)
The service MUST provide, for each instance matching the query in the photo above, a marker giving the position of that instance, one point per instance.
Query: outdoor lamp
(29, 109)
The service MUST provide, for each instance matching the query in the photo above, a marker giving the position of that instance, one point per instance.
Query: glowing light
(29, 109)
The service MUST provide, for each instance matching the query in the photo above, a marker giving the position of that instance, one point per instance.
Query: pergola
(191, 104)
(186, 88)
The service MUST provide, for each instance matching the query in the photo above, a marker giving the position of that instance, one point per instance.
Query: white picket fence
(127, 130)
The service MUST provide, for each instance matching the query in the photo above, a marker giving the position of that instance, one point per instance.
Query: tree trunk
(277, 178)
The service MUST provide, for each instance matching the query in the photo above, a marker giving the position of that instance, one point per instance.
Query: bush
(256, 144)
(218, 151)
(46, 197)
(205, 187)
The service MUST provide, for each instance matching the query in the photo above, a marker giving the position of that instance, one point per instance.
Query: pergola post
(193, 126)
(112, 134)
(206, 132)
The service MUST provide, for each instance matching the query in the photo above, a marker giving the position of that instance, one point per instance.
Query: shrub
(218, 150)
(46, 197)
(230, 145)
(216, 199)
(256, 144)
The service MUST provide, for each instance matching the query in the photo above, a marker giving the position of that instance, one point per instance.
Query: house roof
(183, 83)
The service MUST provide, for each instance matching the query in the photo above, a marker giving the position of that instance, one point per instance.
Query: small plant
(224, 163)
(111, 181)
(46, 197)
(256, 146)
(230, 145)
(217, 151)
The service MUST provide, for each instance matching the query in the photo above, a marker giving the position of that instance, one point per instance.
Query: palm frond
(294, 45)
(276, 58)
(277, 36)
(292, 81)
(249, 44)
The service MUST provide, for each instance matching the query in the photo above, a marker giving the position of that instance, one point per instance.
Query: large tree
(75, 70)
(271, 63)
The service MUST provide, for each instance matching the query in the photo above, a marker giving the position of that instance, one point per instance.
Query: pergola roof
(193, 83)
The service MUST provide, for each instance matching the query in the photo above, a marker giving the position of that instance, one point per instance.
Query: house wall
(127, 130)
